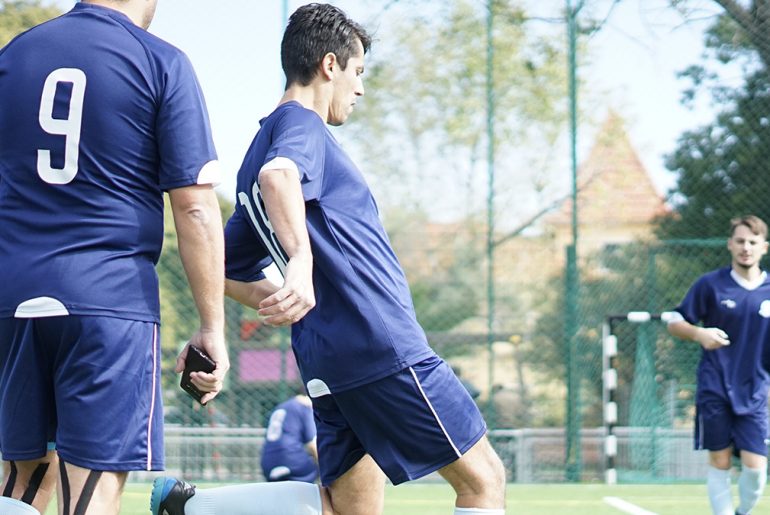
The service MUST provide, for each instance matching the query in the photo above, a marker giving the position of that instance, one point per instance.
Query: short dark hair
(313, 31)
(755, 224)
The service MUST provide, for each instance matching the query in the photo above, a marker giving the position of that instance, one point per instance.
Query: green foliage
(441, 306)
(423, 117)
(722, 167)
(17, 16)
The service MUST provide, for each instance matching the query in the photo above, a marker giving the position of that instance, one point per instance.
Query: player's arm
(198, 224)
(282, 194)
(709, 338)
(312, 449)
(250, 293)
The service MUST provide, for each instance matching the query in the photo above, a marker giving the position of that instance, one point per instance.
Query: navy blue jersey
(363, 326)
(97, 118)
(290, 429)
(735, 372)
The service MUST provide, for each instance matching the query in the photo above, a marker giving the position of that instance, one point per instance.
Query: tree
(752, 20)
(423, 119)
(17, 16)
(721, 166)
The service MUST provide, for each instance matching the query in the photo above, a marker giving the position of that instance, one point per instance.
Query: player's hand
(295, 298)
(711, 338)
(213, 343)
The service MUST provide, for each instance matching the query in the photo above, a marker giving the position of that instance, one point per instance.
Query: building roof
(613, 186)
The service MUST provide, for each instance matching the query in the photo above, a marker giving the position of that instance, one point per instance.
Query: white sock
(479, 511)
(718, 484)
(10, 506)
(751, 483)
(286, 498)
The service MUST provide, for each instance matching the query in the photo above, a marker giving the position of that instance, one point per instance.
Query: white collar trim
(749, 285)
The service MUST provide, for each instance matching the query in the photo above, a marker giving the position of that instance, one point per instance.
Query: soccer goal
(648, 387)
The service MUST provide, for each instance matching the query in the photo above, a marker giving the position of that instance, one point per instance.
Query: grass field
(437, 499)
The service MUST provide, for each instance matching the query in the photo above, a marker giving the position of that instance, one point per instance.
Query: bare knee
(478, 477)
(721, 459)
(360, 491)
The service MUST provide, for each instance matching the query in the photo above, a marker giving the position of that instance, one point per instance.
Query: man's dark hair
(755, 224)
(313, 31)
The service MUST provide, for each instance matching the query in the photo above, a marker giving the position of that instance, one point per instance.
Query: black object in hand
(197, 361)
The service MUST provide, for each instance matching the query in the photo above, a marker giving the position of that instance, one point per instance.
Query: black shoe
(169, 496)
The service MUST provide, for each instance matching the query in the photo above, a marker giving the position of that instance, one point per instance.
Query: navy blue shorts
(717, 427)
(412, 423)
(91, 384)
(283, 467)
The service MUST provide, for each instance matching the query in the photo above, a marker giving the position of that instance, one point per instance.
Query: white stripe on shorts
(435, 415)
(152, 401)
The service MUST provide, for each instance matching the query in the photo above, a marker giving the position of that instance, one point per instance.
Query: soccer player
(733, 305)
(97, 119)
(290, 452)
(383, 401)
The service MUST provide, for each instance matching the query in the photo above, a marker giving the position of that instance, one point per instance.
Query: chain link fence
(523, 335)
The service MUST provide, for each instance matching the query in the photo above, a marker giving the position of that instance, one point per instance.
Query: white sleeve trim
(211, 173)
(279, 163)
(673, 317)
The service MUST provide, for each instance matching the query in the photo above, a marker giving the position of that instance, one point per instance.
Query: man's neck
(312, 96)
(131, 9)
(751, 273)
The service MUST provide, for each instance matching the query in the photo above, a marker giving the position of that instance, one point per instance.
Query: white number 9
(68, 127)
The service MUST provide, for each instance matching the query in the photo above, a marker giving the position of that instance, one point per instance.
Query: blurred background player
(97, 118)
(733, 304)
(290, 452)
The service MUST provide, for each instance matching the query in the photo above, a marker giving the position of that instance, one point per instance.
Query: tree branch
(754, 21)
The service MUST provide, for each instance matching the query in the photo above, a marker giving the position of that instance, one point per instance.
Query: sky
(631, 67)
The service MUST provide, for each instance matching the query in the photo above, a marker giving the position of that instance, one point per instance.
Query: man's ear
(327, 65)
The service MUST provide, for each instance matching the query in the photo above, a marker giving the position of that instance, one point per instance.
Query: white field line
(626, 507)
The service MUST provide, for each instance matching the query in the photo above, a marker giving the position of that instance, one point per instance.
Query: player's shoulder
(711, 281)
(158, 50)
(715, 277)
(292, 114)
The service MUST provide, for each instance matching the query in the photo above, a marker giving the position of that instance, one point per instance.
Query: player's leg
(752, 480)
(422, 420)
(749, 433)
(718, 482)
(357, 484)
(27, 415)
(359, 491)
(89, 492)
(713, 430)
(33, 482)
(478, 478)
(172, 496)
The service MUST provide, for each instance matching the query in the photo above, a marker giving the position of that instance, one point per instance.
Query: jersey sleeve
(694, 307)
(185, 145)
(245, 256)
(300, 137)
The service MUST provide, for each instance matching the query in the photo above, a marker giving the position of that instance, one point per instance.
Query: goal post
(644, 375)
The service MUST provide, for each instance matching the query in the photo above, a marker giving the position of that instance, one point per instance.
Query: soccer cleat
(169, 496)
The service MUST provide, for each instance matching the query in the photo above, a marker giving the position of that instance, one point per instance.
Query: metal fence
(514, 289)
(529, 455)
